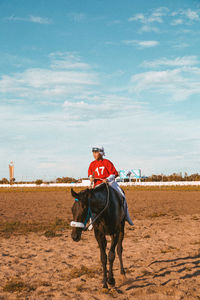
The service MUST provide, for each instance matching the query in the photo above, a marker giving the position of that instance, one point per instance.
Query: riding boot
(116, 187)
(127, 216)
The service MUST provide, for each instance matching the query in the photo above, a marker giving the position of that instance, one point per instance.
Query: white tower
(11, 171)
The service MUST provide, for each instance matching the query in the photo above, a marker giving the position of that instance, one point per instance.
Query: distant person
(104, 169)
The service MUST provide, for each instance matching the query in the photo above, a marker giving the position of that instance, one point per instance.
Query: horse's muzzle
(76, 234)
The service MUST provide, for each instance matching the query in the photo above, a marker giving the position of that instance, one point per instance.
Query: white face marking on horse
(79, 211)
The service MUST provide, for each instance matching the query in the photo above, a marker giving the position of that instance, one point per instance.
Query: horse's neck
(98, 201)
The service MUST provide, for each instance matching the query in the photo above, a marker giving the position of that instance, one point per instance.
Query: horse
(105, 206)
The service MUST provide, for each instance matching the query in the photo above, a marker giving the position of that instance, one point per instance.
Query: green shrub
(39, 181)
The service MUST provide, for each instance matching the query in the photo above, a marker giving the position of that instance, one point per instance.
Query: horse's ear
(74, 194)
(85, 196)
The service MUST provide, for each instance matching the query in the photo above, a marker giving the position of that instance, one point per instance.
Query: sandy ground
(161, 253)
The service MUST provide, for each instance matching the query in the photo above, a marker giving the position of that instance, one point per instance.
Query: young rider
(104, 169)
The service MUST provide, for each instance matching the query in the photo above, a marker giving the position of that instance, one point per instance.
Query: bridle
(89, 214)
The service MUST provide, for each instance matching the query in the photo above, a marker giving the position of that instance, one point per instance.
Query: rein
(101, 212)
(89, 214)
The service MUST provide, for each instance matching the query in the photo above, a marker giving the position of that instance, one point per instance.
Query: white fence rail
(160, 183)
(167, 183)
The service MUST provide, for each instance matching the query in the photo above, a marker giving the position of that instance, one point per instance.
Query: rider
(104, 169)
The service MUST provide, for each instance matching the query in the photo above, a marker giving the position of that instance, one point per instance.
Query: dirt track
(161, 255)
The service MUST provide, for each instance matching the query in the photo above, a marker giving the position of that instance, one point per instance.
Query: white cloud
(177, 62)
(105, 106)
(40, 20)
(138, 17)
(181, 45)
(67, 60)
(186, 16)
(148, 28)
(77, 17)
(32, 19)
(155, 16)
(177, 84)
(148, 43)
(67, 75)
(70, 85)
(191, 14)
(181, 16)
(41, 82)
(151, 79)
(177, 22)
(8, 59)
(142, 44)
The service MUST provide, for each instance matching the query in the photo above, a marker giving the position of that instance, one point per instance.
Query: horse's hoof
(111, 281)
(105, 286)
(105, 291)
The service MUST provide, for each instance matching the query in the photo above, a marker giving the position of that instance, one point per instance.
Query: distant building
(130, 174)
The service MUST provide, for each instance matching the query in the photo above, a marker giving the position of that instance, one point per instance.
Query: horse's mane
(99, 187)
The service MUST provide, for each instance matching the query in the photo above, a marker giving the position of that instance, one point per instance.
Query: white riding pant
(116, 187)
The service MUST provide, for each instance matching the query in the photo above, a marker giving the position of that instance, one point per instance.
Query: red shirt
(101, 169)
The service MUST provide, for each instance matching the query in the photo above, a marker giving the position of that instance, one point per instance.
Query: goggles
(96, 149)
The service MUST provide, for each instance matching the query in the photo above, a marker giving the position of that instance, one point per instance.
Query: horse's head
(79, 211)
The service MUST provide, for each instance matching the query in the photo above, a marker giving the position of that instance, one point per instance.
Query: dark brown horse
(105, 206)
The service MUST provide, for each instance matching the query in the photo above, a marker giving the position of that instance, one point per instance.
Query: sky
(124, 74)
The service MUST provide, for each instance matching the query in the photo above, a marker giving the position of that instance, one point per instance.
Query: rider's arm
(111, 178)
(91, 177)
(112, 171)
(90, 170)
(91, 173)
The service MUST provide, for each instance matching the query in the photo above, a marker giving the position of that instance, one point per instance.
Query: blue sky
(123, 74)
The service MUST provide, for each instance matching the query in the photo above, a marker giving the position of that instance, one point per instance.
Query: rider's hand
(104, 180)
(91, 179)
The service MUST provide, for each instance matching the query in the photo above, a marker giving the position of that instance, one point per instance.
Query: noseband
(77, 224)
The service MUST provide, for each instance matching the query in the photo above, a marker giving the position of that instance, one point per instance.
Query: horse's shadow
(189, 265)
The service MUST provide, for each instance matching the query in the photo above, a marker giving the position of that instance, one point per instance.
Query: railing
(160, 183)
(165, 183)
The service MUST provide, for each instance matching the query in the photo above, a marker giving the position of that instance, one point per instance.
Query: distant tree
(4, 181)
(173, 177)
(39, 181)
(66, 180)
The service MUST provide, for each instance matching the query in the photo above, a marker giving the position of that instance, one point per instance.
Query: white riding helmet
(99, 149)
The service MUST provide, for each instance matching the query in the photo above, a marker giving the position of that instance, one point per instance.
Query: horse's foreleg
(111, 258)
(102, 245)
(120, 249)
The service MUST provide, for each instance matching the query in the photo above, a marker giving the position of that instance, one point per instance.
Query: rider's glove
(111, 178)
